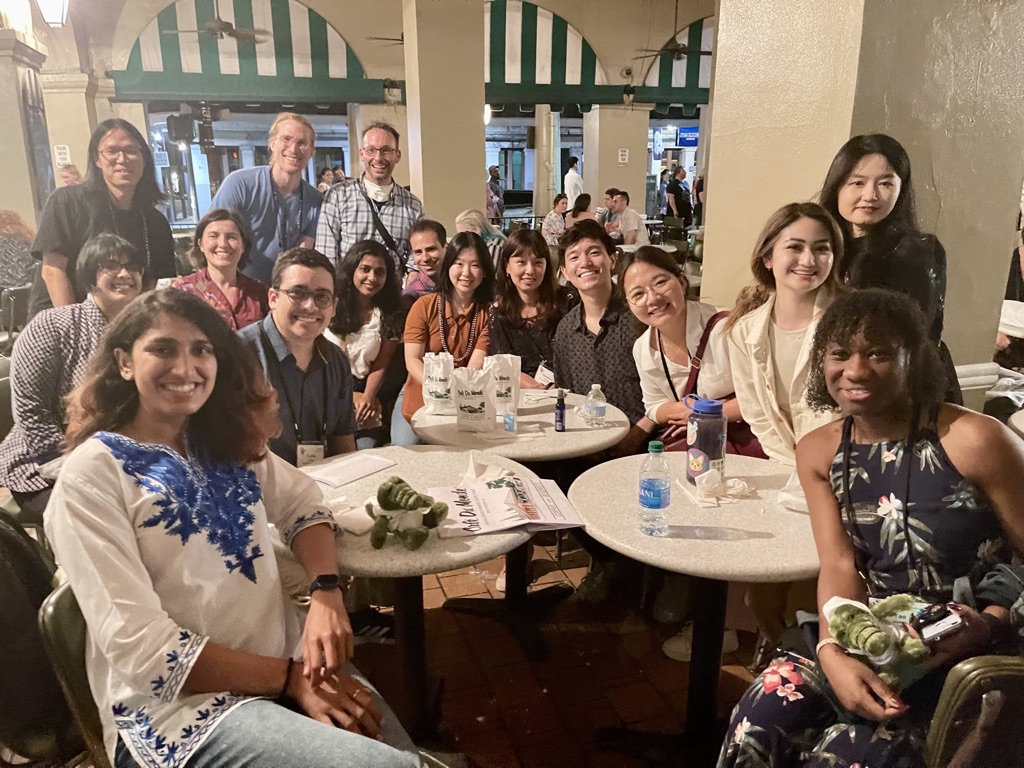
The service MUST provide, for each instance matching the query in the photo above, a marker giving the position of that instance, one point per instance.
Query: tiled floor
(605, 668)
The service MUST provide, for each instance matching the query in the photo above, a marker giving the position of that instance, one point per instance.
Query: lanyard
(145, 228)
(272, 361)
(283, 241)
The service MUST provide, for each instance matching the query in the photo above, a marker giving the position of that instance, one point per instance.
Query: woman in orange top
(454, 319)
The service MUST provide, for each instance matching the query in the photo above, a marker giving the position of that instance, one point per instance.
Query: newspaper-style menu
(502, 503)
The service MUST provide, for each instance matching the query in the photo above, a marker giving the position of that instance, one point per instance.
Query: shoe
(371, 626)
(499, 583)
(680, 647)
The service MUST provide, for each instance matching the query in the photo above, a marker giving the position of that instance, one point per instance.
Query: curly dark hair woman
(348, 318)
(889, 320)
(234, 423)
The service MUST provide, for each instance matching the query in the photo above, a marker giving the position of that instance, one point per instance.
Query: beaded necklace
(444, 334)
(145, 228)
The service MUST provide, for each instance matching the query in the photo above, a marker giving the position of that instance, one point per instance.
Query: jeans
(401, 432)
(263, 734)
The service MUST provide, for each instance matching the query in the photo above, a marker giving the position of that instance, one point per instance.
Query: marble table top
(536, 407)
(422, 466)
(1016, 423)
(754, 540)
(631, 248)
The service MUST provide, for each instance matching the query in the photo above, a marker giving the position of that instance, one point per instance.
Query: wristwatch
(325, 581)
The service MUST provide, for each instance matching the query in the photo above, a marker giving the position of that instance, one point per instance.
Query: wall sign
(61, 155)
(623, 155)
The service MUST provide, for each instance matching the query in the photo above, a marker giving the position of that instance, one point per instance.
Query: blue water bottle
(705, 437)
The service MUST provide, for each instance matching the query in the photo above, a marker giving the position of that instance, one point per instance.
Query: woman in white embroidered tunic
(161, 518)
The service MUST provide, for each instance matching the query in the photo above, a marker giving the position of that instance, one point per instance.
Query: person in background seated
(312, 377)
(49, 360)
(119, 195)
(339, 173)
(17, 267)
(526, 308)
(906, 495)
(605, 214)
(580, 211)
(475, 221)
(326, 177)
(427, 240)
(163, 509)
(368, 327)
(70, 176)
(630, 223)
(453, 320)
(868, 190)
(221, 250)
(554, 223)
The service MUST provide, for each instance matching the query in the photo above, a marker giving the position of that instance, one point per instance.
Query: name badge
(309, 453)
(544, 375)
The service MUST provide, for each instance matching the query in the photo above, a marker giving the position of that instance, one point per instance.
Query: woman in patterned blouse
(221, 250)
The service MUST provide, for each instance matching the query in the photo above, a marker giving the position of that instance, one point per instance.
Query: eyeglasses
(299, 296)
(385, 152)
(115, 266)
(113, 153)
(288, 141)
(660, 286)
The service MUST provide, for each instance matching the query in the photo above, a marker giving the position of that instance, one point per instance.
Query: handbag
(739, 439)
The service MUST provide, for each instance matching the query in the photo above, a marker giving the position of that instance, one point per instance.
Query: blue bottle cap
(704, 406)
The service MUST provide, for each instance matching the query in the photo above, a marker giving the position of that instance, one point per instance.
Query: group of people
(162, 431)
(625, 225)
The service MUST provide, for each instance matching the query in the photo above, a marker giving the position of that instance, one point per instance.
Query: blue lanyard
(283, 241)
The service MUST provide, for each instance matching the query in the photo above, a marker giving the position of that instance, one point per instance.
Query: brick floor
(605, 669)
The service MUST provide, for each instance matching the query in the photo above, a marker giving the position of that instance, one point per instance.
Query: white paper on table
(347, 469)
(523, 432)
(351, 519)
(502, 503)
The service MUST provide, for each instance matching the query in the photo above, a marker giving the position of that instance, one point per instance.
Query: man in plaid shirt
(347, 212)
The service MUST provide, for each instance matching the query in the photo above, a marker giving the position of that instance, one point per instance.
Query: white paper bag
(505, 369)
(473, 393)
(437, 382)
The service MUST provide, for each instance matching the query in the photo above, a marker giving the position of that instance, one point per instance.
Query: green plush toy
(404, 512)
(871, 633)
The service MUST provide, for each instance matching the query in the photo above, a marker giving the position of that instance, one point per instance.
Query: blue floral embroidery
(194, 497)
(155, 749)
(305, 521)
(179, 663)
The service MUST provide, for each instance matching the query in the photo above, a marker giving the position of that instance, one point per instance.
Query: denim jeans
(401, 432)
(263, 734)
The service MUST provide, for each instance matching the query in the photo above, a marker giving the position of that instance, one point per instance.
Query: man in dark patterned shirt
(347, 215)
(594, 341)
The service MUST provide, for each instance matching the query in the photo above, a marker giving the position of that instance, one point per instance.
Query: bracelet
(287, 675)
(827, 641)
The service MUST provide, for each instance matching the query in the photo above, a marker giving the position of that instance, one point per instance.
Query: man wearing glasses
(281, 207)
(312, 377)
(372, 206)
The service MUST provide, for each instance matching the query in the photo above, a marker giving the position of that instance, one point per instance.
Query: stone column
(362, 115)
(25, 152)
(615, 151)
(445, 93)
(71, 114)
(545, 182)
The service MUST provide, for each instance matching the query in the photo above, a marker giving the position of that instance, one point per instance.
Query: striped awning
(305, 58)
(688, 80)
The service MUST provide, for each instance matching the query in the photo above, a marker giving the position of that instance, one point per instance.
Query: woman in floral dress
(906, 494)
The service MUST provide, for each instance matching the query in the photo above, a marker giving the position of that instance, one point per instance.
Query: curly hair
(881, 316)
(763, 286)
(467, 241)
(222, 214)
(234, 423)
(388, 299)
(508, 305)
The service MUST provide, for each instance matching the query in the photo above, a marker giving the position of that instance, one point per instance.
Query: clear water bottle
(597, 403)
(705, 437)
(655, 491)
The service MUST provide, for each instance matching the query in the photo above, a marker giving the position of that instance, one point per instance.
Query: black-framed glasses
(299, 296)
(385, 152)
(660, 285)
(113, 153)
(115, 266)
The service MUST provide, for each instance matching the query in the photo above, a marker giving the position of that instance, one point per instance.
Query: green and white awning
(688, 80)
(304, 59)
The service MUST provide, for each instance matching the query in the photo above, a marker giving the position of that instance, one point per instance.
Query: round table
(632, 247)
(536, 406)
(753, 540)
(422, 467)
(1016, 423)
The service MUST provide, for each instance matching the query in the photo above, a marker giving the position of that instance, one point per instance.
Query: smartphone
(936, 622)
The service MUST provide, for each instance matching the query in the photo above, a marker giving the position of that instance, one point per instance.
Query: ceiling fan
(400, 40)
(673, 47)
(219, 28)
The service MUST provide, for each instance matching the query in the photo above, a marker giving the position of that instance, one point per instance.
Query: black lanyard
(272, 361)
(283, 241)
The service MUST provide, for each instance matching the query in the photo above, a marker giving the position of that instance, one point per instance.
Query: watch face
(327, 581)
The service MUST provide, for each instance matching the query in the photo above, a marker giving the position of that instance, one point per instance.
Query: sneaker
(680, 647)
(371, 626)
(499, 583)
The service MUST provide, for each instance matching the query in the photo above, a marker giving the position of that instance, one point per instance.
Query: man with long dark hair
(119, 195)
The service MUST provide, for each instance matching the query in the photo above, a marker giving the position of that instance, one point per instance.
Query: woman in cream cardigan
(772, 325)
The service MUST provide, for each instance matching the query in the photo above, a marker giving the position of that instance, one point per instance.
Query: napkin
(349, 518)
(523, 432)
(792, 495)
(1011, 319)
(479, 470)
(711, 490)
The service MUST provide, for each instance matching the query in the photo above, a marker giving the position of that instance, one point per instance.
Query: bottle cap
(655, 446)
(560, 394)
(704, 406)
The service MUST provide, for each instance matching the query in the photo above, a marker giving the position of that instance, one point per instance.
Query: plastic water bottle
(655, 491)
(705, 437)
(597, 403)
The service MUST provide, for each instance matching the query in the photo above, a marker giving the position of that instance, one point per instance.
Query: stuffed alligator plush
(404, 512)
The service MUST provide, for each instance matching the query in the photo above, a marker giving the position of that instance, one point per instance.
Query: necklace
(283, 240)
(444, 334)
(145, 228)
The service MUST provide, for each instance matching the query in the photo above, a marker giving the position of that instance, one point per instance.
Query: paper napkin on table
(479, 470)
(792, 495)
(351, 519)
(523, 432)
(711, 490)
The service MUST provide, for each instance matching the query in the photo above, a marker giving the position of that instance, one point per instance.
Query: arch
(305, 58)
(688, 80)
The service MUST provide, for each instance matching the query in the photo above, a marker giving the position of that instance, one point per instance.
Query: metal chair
(13, 314)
